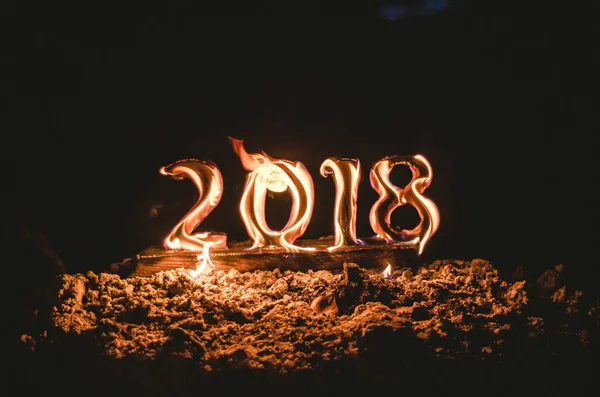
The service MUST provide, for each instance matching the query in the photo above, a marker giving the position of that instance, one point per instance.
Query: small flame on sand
(275, 175)
(387, 273)
(205, 265)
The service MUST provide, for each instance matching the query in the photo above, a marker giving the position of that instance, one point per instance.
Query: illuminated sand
(429, 329)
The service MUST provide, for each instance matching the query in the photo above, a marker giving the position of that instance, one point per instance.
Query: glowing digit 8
(209, 182)
(392, 197)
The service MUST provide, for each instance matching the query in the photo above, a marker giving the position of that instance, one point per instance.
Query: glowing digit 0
(346, 175)
(269, 174)
(392, 197)
(208, 180)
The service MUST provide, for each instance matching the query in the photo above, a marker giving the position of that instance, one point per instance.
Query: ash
(320, 322)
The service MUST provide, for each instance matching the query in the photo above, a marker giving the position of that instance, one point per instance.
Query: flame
(346, 174)
(275, 175)
(387, 273)
(380, 215)
(208, 180)
(206, 265)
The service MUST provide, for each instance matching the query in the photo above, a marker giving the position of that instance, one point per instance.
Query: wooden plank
(375, 254)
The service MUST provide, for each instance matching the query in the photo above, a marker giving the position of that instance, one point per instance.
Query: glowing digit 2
(208, 180)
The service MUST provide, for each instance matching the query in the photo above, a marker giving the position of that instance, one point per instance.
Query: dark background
(501, 98)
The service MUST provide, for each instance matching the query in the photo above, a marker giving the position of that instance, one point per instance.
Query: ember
(387, 273)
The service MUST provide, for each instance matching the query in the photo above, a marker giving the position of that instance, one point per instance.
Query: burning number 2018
(278, 175)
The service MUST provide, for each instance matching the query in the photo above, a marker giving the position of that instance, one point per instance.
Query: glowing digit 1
(208, 180)
(278, 176)
(392, 197)
(346, 176)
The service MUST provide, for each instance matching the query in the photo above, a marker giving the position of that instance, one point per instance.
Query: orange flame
(206, 265)
(346, 175)
(208, 180)
(387, 272)
(379, 217)
(275, 175)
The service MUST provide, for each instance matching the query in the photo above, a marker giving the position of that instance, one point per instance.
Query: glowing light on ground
(387, 272)
(205, 265)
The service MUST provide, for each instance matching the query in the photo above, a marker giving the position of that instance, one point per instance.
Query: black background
(501, 98)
